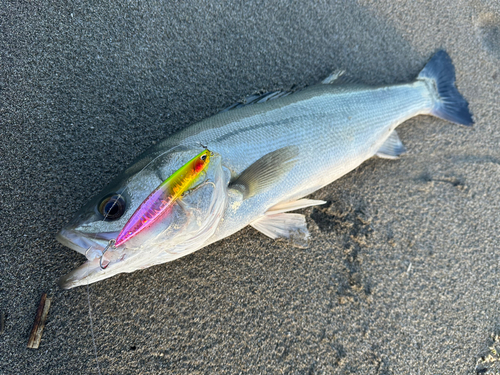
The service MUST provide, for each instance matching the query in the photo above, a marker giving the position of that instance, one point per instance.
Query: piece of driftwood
(39, 324)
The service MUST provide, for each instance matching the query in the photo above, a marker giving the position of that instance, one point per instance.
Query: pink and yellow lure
(160, 201)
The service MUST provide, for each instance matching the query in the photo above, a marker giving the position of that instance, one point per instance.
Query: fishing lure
(160, 201)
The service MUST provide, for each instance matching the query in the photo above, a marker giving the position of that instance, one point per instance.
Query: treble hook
(110, 243)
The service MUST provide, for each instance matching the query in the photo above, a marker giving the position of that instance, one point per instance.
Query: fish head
(187, 226)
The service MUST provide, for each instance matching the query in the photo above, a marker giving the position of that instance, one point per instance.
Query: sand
(402, 273)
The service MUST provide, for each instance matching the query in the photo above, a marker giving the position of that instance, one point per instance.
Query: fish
(268, 155)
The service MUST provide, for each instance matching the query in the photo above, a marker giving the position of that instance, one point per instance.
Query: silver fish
(266, 158)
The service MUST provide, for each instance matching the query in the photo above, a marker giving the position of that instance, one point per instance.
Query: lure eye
(203, 157)
(112, 207)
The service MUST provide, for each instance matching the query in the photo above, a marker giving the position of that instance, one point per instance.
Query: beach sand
(402, 273)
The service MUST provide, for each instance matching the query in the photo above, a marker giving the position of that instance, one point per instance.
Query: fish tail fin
(450, 104)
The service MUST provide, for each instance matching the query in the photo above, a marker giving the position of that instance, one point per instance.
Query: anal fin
(392, 147)
(283, 225)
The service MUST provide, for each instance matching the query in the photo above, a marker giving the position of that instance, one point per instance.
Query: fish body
(267, 157)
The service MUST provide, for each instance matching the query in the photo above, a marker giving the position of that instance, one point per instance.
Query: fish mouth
(82, 243)
(92, 246)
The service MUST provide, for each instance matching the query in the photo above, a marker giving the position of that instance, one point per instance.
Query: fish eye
(203, 157)
(112, 207)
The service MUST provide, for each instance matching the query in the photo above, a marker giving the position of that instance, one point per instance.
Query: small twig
(2, 322)
(39, 324)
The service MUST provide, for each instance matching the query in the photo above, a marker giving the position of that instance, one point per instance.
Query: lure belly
(158, 204)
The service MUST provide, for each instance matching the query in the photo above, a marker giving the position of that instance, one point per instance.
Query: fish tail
(449, 104)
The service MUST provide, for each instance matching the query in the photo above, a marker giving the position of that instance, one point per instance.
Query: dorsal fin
(339, 77)
(333, 78)
(259, 98)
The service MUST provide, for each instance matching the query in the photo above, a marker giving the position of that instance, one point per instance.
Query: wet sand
(402, 273)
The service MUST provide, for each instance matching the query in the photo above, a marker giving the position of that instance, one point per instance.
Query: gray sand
(402, 273)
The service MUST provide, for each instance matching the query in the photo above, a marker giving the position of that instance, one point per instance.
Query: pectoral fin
(392, 147)
(290, 226)
(265, 172)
